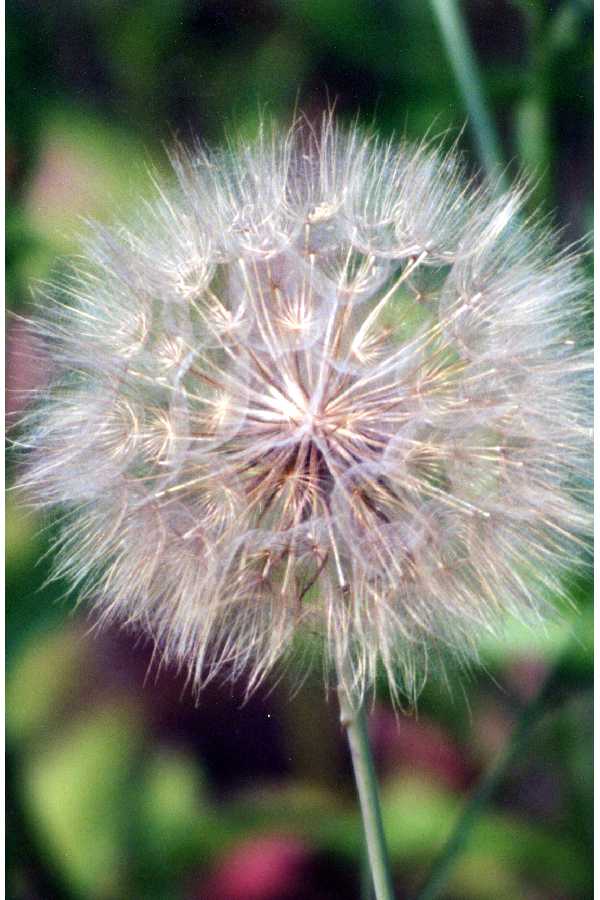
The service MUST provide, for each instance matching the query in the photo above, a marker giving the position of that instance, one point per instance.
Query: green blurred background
(118, 787)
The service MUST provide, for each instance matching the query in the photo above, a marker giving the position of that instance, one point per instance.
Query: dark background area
(118, 785)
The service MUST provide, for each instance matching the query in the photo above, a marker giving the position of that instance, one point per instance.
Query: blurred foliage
(118, 786)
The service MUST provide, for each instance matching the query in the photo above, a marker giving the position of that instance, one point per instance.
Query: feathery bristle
(326, 384)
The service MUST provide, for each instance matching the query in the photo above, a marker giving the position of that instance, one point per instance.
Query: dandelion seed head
(325, 385)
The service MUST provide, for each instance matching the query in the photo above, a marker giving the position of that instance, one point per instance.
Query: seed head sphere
(325, 384)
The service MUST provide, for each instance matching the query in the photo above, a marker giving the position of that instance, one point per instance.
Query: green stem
(352, 717)
(464, 65)
(366, 881)
(528, 718)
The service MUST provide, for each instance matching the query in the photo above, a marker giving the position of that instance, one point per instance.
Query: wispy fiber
(324, 383)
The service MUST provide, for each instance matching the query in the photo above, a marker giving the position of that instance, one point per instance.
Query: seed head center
(303, 412)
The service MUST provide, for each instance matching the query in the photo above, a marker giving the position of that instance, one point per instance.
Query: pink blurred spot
(27, 367)
(66, 183)
(265, 868)
(420, 745)
(525, 676)
(493, 724)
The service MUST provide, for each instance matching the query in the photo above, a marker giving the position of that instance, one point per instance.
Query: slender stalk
(366, 881)
(464, 65)
(487, 786)
(352, 717)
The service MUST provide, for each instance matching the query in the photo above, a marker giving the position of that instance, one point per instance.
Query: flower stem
(353, 718)
(464, 65)
(528, 719)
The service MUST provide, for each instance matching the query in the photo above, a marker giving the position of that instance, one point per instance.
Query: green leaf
(76, 788)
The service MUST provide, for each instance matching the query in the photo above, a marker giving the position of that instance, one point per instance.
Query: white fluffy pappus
(326, 384)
